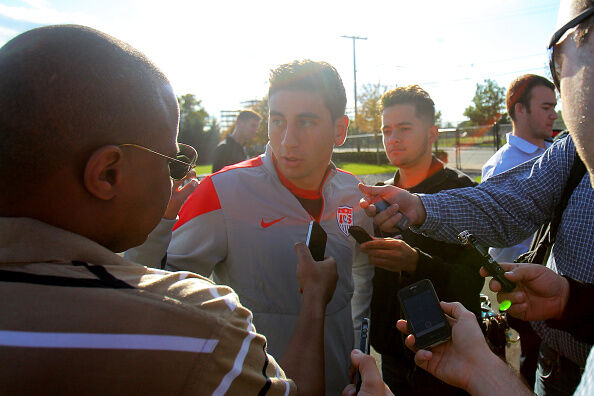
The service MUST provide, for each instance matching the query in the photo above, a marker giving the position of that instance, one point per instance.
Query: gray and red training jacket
(241, 223)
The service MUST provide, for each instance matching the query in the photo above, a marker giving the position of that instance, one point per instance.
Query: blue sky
(222, 51)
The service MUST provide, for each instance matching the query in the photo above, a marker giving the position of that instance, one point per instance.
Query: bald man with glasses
(89, 149)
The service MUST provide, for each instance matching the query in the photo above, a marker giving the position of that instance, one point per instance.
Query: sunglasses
(181, 165)
(553, 64)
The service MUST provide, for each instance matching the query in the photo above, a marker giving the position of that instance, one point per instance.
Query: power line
(438, 82)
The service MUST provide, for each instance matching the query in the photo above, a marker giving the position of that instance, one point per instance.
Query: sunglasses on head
(181, 165)
(553, 65)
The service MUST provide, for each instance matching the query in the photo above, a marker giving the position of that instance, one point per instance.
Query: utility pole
(355, 71)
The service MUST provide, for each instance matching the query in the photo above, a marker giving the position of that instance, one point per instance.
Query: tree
(438, 120)
(192, 127)
(488, 104)
(369, 119)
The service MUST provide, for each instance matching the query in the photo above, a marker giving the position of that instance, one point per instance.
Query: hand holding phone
(316, 240)
(363, 347)
(402, 224)
(424, 315)
(360, 235)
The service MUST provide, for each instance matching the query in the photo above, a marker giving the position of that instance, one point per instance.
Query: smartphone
(425, 317)
(363, 347)
(360, 235)
(382, 205)
(316, 240)
(491, 265)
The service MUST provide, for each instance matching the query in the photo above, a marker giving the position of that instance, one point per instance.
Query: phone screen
(423, 313)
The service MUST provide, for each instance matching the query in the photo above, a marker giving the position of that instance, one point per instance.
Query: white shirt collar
(524, 145)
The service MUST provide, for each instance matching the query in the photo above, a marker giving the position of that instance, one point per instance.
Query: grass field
(203, 169)
(366, 169)
(354, 168)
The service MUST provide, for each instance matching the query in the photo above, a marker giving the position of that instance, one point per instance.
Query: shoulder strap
(578, 170)
(544, 238)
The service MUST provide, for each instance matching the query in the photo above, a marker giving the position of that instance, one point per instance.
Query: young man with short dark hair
(241, 223)
(409, 130)
(231, 150)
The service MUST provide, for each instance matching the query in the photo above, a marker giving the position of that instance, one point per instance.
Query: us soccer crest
(344, 216)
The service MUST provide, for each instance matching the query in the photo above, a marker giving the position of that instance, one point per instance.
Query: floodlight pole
(355, 71)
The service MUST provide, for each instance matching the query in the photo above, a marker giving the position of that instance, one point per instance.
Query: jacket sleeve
(363, 273)
(246, 367)
(233, 359)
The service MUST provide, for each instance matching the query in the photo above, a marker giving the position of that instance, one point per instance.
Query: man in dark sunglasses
(88, 130)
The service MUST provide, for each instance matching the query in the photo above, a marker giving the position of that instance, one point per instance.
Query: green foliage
(203, 169)
(488, 104)
(438, 120)
(196, 128)
(369, 119)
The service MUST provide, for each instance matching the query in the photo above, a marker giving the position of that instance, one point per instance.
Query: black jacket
(453, 269)
(228, 152)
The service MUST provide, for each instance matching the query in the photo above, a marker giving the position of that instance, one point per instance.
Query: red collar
(300, 192)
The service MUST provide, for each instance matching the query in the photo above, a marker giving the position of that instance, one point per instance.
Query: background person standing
(231, 150)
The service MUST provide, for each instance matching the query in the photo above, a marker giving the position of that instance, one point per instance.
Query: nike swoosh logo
(268, 224)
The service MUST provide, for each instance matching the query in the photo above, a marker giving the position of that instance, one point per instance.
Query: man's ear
(341, 126)
(433, 134)
(519, 108)
(103, 172)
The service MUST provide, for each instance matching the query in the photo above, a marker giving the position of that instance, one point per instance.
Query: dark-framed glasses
(553, 65)
(181, 165)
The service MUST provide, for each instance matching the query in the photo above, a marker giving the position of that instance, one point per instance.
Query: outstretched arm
(303, 360)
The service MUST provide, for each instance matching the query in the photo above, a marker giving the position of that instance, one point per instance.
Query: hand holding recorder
(540, 293)
(405, 209)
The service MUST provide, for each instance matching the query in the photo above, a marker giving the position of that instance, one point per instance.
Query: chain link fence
(466, 148)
